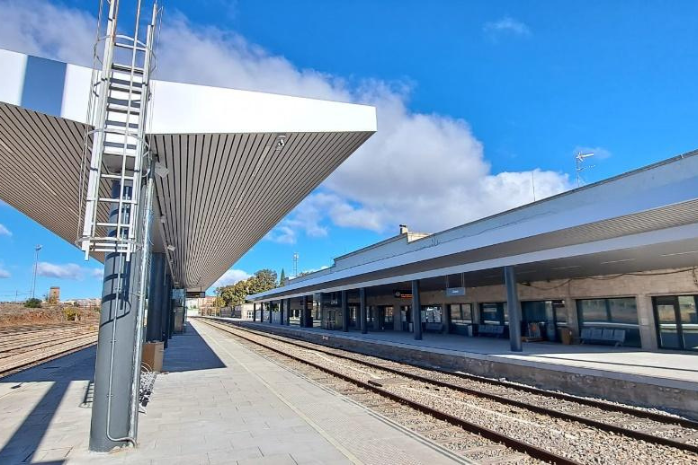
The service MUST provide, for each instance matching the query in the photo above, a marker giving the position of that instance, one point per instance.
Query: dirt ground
(12, 314)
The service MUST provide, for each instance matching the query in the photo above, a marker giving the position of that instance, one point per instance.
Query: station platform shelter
(215, 402)
(667, 380)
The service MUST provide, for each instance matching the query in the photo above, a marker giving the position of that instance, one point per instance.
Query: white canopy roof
(227, 184)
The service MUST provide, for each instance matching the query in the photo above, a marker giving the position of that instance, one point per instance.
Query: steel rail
(634, 434)
(659, 417)
(32, 346)
(520, 446)
(43, 360)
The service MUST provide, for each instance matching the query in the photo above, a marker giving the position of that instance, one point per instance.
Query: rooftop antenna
(579, 159)
(295, 264)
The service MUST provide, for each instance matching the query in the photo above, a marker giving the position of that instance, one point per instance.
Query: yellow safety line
(305, 418)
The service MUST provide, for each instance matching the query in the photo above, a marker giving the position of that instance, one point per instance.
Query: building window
(431, 314)
(461, 313)
(493, 313)
(618, 313)
(676, 318)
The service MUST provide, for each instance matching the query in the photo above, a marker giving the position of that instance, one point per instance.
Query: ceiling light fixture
(679, 253)
(618, 261)
(280, 142)
(161, 170)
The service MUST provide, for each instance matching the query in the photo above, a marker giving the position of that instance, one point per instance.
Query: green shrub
(70, 313)
(33, 303)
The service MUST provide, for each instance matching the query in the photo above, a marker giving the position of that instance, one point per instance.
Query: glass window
(431, 314)
(455, 313)
(560, 312)
(467, 310)
(491, 313)
(594, 311)
(689, 322)
(389, 315)
(620, 313)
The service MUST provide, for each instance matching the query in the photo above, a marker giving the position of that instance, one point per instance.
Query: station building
(610, 263)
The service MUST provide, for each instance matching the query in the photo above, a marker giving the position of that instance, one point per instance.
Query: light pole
(36, 265)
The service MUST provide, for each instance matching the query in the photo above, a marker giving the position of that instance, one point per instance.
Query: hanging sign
(455, 291)
(402, 294)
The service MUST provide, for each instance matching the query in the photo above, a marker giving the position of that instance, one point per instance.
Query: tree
(262, 281)
(236, 294)
(283, 279)
(33, 303)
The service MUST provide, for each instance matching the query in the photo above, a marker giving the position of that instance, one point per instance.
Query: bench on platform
(603, 336)
(433, 327)
(490, 330)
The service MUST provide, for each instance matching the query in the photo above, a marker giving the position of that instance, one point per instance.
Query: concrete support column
(345, 312)
(514, 309)
(304, 304)
(397, 317)
(446, 318)
(288, 312)
(156, 294)
(270, 307)
(116, 348)
(416, 311)
(281, 311)
(254, 312)
(363, 311)
(645, 318)
(572, 317)
(165, 310)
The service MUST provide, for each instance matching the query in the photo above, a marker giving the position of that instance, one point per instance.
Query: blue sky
(472, 97)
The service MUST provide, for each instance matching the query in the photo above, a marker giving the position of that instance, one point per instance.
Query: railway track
(572, 430)
(31, 345)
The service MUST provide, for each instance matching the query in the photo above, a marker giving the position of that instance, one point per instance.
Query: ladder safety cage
(120, 156)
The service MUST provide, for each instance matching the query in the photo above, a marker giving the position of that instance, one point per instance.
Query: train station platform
(215, 403)
(661, 379)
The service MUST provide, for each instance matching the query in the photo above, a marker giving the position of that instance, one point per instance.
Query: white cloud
(39, 28)
(425, 170)
(506, 25)
(97, 273)
(231, 277)
(4, 273)
(4, 231)
(64, 271)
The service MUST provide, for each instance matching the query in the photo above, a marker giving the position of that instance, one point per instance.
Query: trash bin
(566, 336)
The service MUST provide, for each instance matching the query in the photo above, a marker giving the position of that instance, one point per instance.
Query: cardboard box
(153, 355)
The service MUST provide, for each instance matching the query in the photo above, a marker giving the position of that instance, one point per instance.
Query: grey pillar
(116, 348)
(345, 312)
(156, 294)
(165, 309)
(446, 318)
(288, 312)
(514, 309)
(416, 311)
(254, 312)
(397, 317)
(281, 311)
(270, 307)
(304, 304)
(362, 310)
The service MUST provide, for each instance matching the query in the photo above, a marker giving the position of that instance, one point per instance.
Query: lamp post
(36, 265)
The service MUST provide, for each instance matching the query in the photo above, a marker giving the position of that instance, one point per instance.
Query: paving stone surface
(218, 403)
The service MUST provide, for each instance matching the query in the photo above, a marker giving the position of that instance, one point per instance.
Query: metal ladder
(120, 156)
